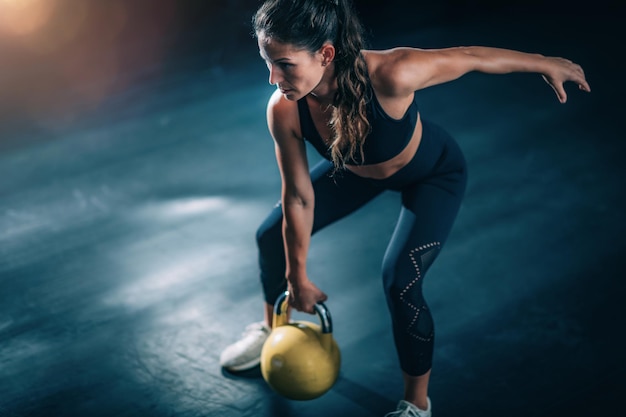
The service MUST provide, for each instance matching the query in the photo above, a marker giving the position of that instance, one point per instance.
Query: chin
(292, 96)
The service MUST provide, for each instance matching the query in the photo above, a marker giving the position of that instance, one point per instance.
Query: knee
(404, 270)
(389, 273)
(398, 277)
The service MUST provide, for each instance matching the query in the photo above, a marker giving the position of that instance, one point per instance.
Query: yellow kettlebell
(300, 360)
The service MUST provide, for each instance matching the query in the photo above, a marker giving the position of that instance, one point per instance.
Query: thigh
(338, 194)
(426, 218)
(433, 207)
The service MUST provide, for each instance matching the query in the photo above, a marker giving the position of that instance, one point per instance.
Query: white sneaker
(246, 352)
(406, 409)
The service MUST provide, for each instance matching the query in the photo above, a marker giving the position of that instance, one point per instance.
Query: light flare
(24, 17)
(63, 58)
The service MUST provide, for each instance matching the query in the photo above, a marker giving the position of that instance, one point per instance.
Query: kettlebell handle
(326, 322)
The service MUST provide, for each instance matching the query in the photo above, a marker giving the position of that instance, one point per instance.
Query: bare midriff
(389, 167)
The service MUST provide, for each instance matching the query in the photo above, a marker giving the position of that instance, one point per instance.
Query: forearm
(503, 61)
(297, 227)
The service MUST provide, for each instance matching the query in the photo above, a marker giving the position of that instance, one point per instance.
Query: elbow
(298, 194)
(299, 200)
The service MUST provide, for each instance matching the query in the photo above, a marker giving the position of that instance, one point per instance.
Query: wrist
(296, 277)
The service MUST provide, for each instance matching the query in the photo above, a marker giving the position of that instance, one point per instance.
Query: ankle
(421, 403)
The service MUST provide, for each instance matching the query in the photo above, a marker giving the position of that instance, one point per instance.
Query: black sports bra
(387, 138)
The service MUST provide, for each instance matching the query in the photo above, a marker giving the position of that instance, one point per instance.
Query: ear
(327, 52)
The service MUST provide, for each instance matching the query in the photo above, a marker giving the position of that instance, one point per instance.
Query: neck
(324, 91)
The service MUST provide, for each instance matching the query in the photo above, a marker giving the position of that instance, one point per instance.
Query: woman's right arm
(298, 200)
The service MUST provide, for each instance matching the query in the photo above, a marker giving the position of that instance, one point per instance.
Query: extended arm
(411, 69)
(298, 201)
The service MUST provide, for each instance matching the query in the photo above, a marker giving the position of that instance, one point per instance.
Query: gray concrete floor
(127, 254)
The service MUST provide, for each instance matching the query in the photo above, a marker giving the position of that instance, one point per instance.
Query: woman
(357, 108)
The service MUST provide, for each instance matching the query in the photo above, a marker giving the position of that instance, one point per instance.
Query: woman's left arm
(412, 69)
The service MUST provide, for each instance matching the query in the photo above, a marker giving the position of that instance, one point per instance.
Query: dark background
(135, 166)
(120, 45)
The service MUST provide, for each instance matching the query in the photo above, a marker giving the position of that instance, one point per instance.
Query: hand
(562, 70)
(303, 295)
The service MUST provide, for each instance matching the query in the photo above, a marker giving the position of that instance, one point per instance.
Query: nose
(275, 77)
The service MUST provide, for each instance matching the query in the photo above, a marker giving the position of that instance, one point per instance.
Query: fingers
(581, 80)
(569, 72)
(309, 309)
(320, 299)
(584, 86)
(560, 91)
(307, 304)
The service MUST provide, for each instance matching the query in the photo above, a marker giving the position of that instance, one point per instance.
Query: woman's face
(295, 72)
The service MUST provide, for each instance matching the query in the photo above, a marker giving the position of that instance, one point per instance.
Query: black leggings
(431, 187)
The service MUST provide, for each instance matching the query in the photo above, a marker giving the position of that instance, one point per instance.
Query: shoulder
(389, 69)
(401, 71)
(278, 104)
(282, 116)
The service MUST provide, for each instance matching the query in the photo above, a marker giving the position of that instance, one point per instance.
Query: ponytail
(349, 119)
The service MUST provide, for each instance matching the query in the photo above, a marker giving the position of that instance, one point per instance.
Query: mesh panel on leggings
(421, 257)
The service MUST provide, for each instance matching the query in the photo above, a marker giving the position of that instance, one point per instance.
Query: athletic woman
(357, 107)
